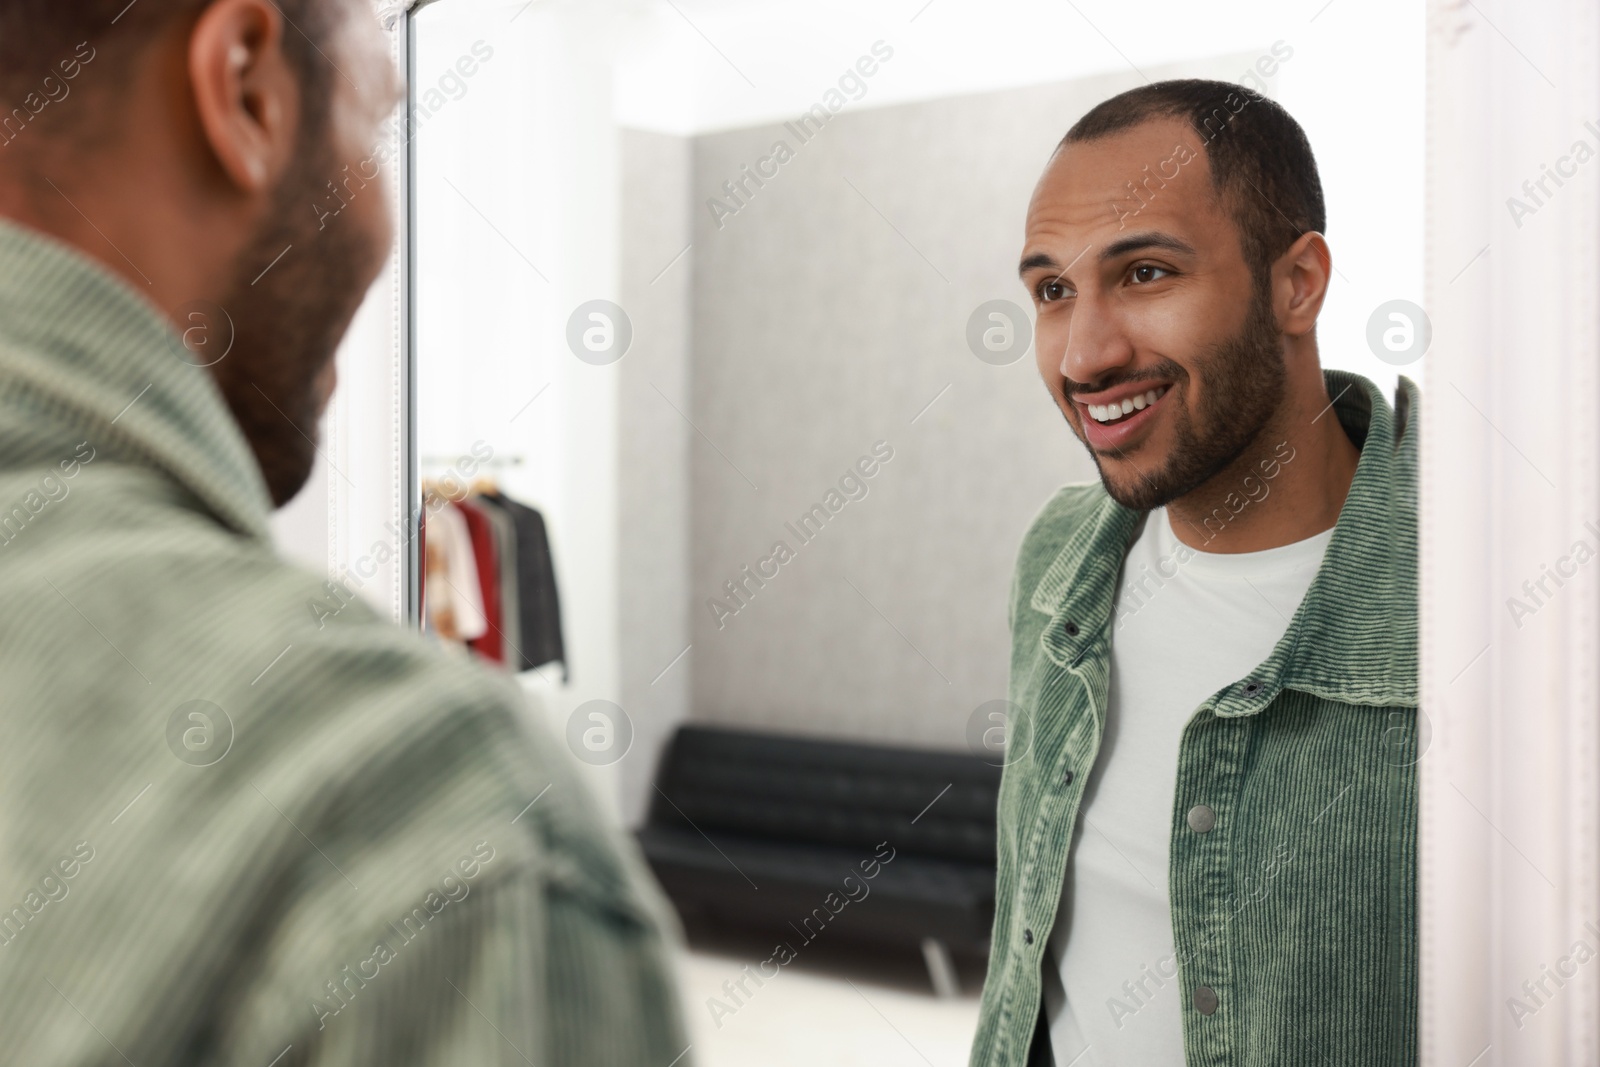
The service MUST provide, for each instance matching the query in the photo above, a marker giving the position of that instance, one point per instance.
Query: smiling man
(1208, 817)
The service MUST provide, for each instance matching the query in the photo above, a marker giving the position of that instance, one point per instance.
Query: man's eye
(1143, 272)
(1051, 291)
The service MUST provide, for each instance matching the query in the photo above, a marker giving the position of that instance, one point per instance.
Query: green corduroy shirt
(1294, 906)
(237, 829)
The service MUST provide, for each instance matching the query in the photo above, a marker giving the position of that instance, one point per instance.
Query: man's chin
(287, 473)
(1127, 485)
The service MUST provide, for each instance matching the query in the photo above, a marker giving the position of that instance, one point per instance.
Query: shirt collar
(90, 356)
(1354, 637)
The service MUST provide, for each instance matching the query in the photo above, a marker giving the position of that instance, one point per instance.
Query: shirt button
(1252, 689)
(1201, 820)
(1071, 628)
(1027, 937)
(1066, 779)
(1205, 999)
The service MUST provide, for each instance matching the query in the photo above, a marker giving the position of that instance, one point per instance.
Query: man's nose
(1097, 342)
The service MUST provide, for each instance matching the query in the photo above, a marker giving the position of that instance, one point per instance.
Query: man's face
(1149, 292)
(289, 316)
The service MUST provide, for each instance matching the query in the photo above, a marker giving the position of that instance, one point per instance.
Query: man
(232, 829)
(1207, 822)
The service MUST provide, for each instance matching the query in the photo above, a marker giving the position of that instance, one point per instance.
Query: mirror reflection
(726, 303)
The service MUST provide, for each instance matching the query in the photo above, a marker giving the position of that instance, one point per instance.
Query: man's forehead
(1155, 170)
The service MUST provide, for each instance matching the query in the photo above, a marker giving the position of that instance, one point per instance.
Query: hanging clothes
(490, 645)
(504, 528)
(539, 604)
(454, 608)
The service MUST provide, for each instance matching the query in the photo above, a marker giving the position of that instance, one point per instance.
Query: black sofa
(756, 830)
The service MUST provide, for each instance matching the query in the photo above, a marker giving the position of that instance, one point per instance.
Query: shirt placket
(1073, 685)
(1206, 838)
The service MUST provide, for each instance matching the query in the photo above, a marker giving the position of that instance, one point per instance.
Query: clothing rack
(481, 481)
(487, 584)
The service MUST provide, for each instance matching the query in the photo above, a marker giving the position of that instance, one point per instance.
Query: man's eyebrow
(1038, 259)
(1135, 242)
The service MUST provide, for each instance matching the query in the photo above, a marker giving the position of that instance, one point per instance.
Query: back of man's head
(207, 151)
(46, 46)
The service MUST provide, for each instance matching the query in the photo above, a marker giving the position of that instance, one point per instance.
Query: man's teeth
(1112, 412)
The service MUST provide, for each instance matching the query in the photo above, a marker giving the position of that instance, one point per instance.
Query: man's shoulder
(303, 673)
(315, 713)
(1067, 509)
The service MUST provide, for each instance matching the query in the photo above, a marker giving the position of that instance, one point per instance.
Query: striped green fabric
(232, 832)
(1298, 908)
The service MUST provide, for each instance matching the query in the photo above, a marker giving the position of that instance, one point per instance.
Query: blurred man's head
(1174, 249)
(194, 147)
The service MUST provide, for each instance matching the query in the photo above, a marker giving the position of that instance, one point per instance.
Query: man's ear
(1302, 272)
(245, 91)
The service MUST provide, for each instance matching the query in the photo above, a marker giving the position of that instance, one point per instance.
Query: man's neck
(1290, 484)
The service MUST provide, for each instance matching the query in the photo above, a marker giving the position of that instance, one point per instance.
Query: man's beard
(1242, 387)
(289, 320)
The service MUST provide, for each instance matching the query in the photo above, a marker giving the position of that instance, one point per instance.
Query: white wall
(518, 182)
(655, 443)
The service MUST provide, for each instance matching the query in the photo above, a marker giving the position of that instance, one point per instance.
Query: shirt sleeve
(514, 975)
(447, 892)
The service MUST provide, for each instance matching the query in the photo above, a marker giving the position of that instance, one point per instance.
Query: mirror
(727, 295)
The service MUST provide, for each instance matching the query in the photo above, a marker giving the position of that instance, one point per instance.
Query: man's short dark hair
(1261, 163)
(40, 39)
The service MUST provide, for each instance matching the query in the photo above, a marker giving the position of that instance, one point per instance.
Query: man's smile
(1114, 418)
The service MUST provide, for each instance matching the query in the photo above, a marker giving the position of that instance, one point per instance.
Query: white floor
(807, 1019)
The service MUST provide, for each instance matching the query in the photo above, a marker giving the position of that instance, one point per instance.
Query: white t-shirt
(1187, 623)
